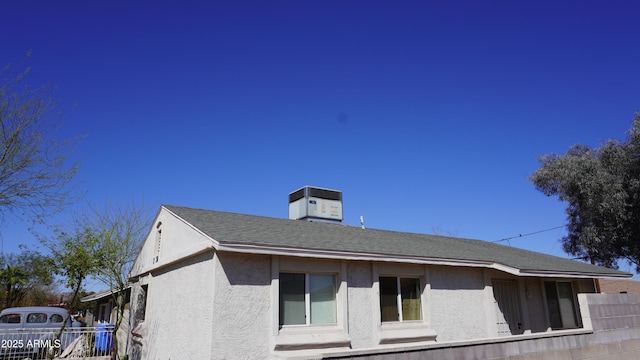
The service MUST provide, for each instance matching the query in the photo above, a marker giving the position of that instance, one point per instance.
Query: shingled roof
(258, 234)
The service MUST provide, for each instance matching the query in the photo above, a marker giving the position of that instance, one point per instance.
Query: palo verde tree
(601, 187)
(35, 172)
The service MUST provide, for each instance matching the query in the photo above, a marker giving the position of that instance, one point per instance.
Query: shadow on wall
(184, 263)
(451, 278)
(246, 269)
(360, 274)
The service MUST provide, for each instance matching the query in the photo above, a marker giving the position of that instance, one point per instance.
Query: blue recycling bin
(104, 337)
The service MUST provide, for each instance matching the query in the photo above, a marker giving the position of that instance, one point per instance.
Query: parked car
(32, 331)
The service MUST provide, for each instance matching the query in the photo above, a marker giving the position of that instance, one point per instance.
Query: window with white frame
(307, 298)
(561, 304)
(399, 299)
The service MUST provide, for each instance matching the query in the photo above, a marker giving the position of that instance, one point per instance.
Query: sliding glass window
(399, 299)
(307, 299)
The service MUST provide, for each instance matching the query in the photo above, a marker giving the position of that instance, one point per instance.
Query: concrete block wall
(612, 332)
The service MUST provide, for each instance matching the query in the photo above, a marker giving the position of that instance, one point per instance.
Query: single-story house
(218, 285)
(105, 310)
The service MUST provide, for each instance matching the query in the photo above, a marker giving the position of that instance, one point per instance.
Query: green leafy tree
(35, 172)
(103, 246)
(123, 228)
(26, 278)
(601, 187)
(13, 279)
(76, 255)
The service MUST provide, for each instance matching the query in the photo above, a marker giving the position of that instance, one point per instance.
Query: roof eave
(345, 255)
(573, 274)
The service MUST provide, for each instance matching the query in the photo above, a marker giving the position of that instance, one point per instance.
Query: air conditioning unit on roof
(308, 203)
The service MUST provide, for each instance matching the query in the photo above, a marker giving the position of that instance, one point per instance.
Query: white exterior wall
(245, 306)
(179, 316)
(178, 240)
(241, 307)
(458, 303)
(203, 304)
(361, 303)
(179, 310)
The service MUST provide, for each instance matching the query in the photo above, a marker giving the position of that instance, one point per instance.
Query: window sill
(395, 333)
(311, 337)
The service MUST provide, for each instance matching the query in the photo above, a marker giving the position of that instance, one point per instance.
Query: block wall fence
(611, 332)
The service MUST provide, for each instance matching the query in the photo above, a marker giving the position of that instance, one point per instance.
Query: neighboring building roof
(101, 295)
(619, 286)
(257, 234)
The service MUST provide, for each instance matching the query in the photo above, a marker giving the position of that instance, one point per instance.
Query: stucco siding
(241, 307)
(615, 335)
(179, 311)
(361, 304)
(177, 240)
(457, 303)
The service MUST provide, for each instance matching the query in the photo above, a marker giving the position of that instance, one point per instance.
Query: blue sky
(429, 116)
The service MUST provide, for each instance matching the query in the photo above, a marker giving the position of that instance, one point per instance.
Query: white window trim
(399, 297)
(307, 299)
(409, 331)
(309, 336)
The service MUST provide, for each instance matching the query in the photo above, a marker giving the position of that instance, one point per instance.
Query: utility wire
(523, 235)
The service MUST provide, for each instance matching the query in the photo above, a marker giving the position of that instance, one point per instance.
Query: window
(104, 312)
(561, 305)
(307, 299)
(37, 318)
(56, 318)
(399, 299)
(10, 319)
(141, 308)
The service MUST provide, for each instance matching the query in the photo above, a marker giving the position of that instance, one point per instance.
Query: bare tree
(438, 230)
(101, 244)
(123, 228)
(35, 172)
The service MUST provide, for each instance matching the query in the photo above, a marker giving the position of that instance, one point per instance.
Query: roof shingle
(239, 229)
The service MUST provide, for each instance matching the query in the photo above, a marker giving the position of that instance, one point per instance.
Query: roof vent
(314, 203)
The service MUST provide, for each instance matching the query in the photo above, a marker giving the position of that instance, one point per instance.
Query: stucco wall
(221, 305)
(241, 307)
(361, 323)
(179, 315)
(615, 335)
(177, 241)
(457, 303)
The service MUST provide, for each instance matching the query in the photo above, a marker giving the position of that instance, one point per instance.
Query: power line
(533, 233)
